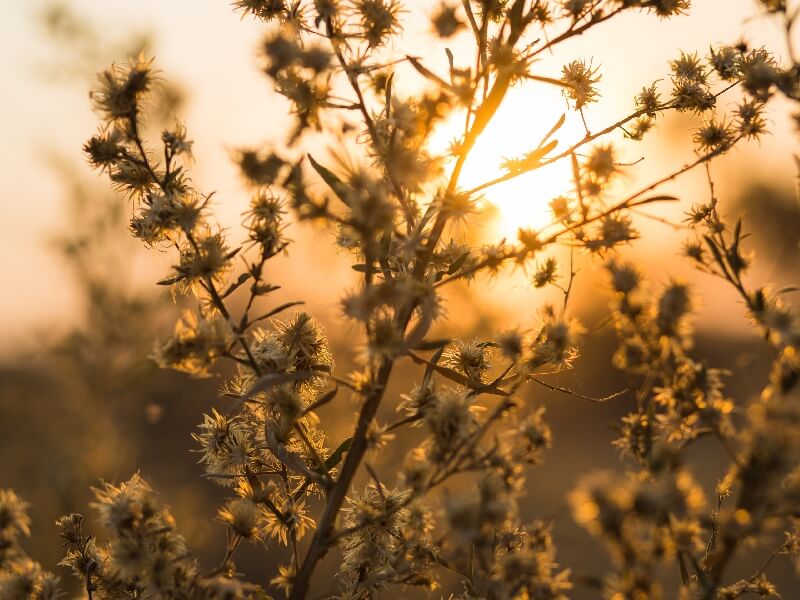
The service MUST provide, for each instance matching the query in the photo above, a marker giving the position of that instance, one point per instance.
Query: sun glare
(527, 114)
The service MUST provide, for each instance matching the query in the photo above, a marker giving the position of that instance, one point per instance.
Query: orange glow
(527, 114)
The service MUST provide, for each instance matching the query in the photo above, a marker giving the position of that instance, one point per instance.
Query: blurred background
(80, 401)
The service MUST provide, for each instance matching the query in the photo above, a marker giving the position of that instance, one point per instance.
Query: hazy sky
(211, 52)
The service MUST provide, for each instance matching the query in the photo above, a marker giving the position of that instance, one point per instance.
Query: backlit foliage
(397, 209)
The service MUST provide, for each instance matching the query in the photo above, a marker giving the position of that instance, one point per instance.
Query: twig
(563, 390)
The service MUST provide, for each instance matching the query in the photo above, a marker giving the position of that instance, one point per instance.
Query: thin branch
(569, 392)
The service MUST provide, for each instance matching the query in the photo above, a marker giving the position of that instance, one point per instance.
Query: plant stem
(322, 537)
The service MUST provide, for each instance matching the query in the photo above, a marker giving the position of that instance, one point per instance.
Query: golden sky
(210, 51)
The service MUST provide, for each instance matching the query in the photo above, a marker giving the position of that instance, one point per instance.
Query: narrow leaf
(267, 382)
(450, 60)
(278, 309)
(550, 80)
(425, 72)
(170, 280)
(236, 284)
(460, 379)
(712, 245)
(431, 366)
(335, 458)
(322, 400)
(559, 124)
(333, 181)
(388, 96)
(659, 198)
(457, 263)
(537, 155)
(431, 345)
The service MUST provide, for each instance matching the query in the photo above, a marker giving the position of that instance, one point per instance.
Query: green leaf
(388, 95)
(426, 379)
(235, 285)
(561, 120)
(758, 300)
(171, 280)
(431, 344)
(279, 309)
(549, 80)
(457, 263)
(712, 245)
(424, 71)
(337, 185)
(451, 62)
(658, 198)
(322, 400)
(335, 458)
(788, 289)
(271, 380)
(453, 375)
(533, 159)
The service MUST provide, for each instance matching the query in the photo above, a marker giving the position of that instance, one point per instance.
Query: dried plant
(395, 206)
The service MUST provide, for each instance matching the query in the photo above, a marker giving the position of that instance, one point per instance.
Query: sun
(527, 114)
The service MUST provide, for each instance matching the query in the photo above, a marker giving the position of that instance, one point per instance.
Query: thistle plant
(399, 210)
